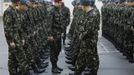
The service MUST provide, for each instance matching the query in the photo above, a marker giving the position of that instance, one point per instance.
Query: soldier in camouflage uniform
(43, 31)
(13, 23)
(23, 23)
(88, 36)
(41, 34)
(29, 30)
(9, 22)
(72, 51)
(75, 12)
(130, 52)
(55, 34)
(118, 29)
(66, 17)
(35, 41)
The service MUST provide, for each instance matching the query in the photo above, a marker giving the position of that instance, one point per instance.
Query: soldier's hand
(23, 42)
(80, 37)
(62, 34)
(12, 44)
(50, 38)
(132, 28)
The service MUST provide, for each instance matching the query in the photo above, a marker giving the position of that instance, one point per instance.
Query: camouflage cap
(87, 2)
(74, 3)
(24, 2)
(14, 1)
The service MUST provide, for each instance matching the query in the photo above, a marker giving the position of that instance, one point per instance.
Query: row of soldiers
(118, 27)
(81, 51)
(33, 31)
(115, 1)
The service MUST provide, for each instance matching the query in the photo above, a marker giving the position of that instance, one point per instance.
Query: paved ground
(3, 51)
(111, 61)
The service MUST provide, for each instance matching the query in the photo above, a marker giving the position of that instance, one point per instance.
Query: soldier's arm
(97, 19)
(68, 17)
(8, 22)
(50, 22)
(62, 26)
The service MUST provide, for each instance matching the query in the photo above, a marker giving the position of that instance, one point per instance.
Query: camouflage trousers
(64, 38)
(87, 59)
(55, 48)
(17, 63)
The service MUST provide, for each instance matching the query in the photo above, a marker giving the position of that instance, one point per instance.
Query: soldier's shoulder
(50, 8)
(7, 16)
(95, 11)
(8, 9)
(67, 8)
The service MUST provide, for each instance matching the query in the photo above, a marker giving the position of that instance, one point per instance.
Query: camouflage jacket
(66, 16)
(57, 26)
(11, 26)
(89, 28)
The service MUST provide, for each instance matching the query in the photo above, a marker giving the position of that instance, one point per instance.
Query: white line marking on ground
(104, 48)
